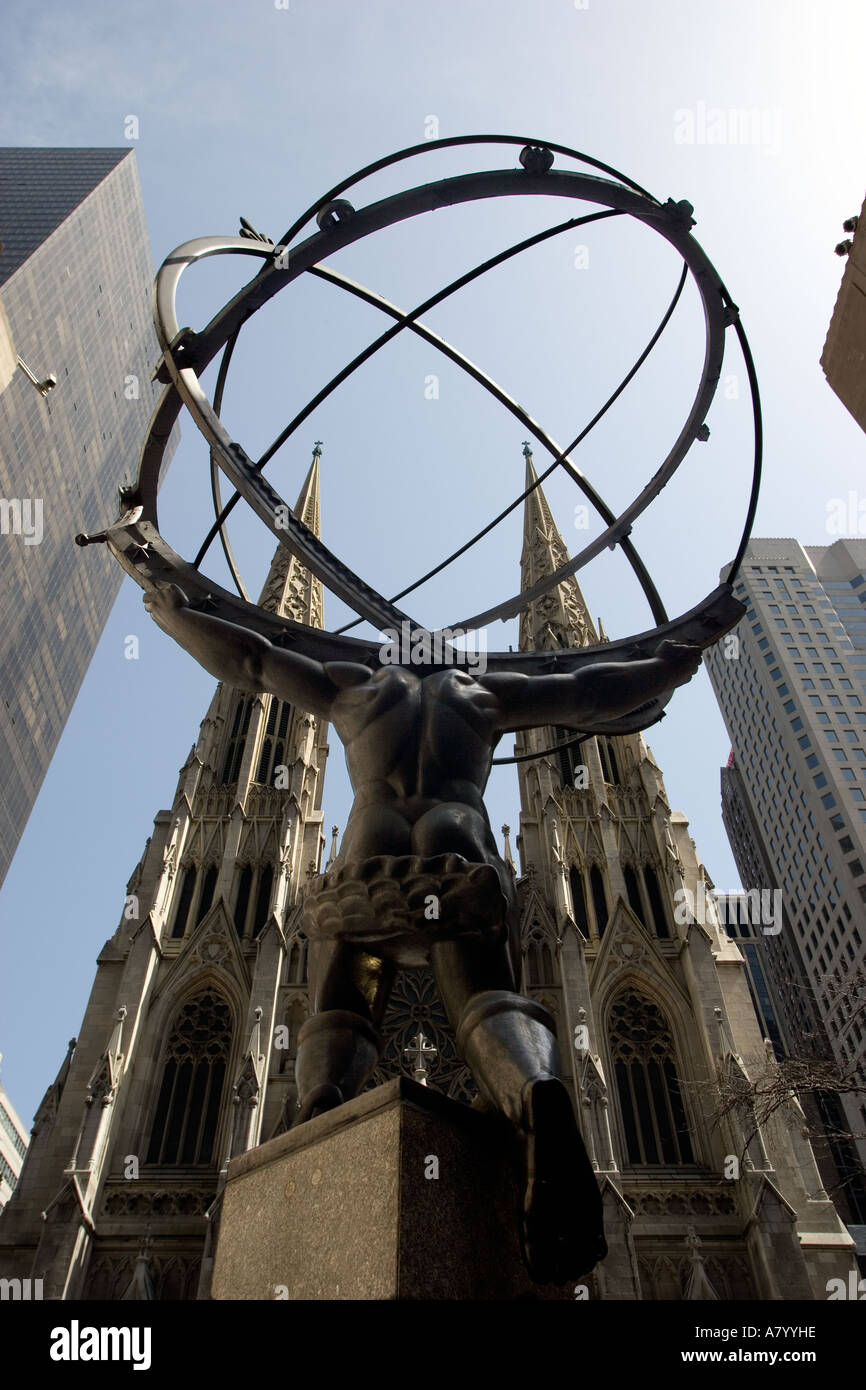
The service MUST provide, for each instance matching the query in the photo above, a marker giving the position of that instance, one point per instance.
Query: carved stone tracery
(415, 1004)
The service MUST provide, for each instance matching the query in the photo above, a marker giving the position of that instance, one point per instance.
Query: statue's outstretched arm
(594, 694)
(239, 657)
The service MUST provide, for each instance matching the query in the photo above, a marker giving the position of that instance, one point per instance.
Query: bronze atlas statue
(419, 880)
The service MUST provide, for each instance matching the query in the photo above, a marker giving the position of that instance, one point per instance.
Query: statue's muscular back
(418, 752)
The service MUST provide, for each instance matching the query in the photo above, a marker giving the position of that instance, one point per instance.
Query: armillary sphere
(135, 539)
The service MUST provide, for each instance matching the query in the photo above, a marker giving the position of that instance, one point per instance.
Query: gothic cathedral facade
(186, 1053)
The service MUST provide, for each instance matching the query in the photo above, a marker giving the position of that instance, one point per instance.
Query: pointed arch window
(235, 749)
(184, 900)
(539, 959)
(264, 767)
(296, 961)
(263, 900)
(656, 902)
(599, 898)
(607, 757)
(644, 1063)
(569, 758)
(632, 889)
(252, 899)
(264, 760)
(272, 755)
(614, 763)
(295, 1016)
(242, 901)
(282, 733)
(207, 892)
(578, 900)
(193, 1076)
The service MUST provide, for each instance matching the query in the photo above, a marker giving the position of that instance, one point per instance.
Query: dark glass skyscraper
(75, 282)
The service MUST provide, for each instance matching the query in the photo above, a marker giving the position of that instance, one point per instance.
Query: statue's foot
(318, 1100)
(562, 1233)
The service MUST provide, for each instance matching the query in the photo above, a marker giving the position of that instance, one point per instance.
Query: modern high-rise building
(791, 683)
(785, 1000)
(735, 912)
(75, 283)
(793, 1009)
(187, 1052)
(13, 1146)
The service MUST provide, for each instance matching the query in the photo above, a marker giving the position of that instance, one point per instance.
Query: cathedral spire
(290, 589)
(560, 618)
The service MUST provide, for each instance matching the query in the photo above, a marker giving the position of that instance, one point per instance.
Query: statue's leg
(338, 1047)
(510, 1045)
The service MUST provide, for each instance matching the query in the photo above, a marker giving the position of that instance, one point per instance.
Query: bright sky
(257, 111)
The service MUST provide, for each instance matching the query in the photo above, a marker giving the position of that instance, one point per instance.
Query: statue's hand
(682, 657)
(163, 603)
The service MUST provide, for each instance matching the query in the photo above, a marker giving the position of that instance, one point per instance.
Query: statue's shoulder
(346, 674)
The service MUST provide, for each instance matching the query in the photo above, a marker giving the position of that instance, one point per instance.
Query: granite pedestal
(399, 1194)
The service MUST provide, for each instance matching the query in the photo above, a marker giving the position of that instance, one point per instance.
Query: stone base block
(399, 1194)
